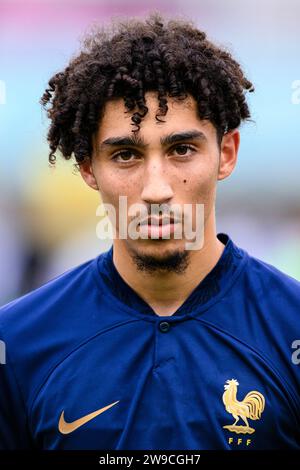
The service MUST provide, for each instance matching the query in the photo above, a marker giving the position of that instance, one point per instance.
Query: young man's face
(181, 172)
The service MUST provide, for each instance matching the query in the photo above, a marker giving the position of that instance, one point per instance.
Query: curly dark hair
(131, 56)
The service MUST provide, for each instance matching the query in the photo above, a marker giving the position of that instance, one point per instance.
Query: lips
(158, 227)
(157, 231)
(158, 221)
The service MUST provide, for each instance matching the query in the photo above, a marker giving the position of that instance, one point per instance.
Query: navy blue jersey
(90, 365)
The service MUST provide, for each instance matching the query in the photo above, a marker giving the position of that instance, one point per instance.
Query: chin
(167, 256)
(157, 248)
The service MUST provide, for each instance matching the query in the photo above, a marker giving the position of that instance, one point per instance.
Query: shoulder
(57, 292)
(268, 280)
(53, 317)
(273, 306)
(41, 328)
(265, 310)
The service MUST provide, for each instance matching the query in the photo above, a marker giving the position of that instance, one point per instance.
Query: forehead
(116, 121)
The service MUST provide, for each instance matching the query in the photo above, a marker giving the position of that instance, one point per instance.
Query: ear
(228, 153)
(86, 171)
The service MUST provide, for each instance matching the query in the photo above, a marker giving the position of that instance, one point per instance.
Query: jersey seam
(48, 375)
(265, 358)
(226, 290)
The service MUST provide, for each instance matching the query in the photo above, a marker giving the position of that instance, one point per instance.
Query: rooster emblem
(251, 407)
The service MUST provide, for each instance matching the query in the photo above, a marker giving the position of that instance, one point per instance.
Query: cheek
(200, 188)
(200, 183)
(113, 185)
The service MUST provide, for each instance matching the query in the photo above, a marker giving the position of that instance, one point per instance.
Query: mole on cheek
(184, 181)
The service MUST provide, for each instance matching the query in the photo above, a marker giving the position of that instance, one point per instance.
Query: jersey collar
(205, 291)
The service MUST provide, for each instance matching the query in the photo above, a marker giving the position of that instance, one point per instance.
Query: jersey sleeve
(14, 432)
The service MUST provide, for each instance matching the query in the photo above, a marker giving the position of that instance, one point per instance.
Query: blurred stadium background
(48, 217)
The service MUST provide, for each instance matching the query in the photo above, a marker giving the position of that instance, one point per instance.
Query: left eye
(182, 149)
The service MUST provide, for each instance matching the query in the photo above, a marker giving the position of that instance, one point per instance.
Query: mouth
(158, 227)
(158, 221)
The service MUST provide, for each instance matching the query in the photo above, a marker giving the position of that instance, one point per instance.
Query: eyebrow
(137, 141)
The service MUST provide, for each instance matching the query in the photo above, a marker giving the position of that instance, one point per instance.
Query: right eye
(123, 156)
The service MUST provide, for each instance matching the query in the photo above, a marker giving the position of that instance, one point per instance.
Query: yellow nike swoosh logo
(66, 428)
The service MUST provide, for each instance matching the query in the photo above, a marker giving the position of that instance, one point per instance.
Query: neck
(166, 293)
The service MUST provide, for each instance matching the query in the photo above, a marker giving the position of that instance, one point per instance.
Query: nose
(156, 185)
